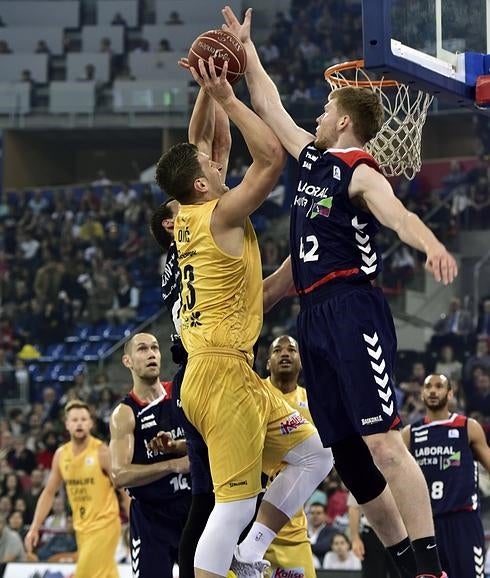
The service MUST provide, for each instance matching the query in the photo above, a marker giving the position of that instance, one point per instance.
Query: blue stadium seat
(76, 351)
(96, 332)
(54, 352)
(80, 333)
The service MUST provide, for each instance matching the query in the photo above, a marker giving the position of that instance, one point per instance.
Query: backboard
(439, 46)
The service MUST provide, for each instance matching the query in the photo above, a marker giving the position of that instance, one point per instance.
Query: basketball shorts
(154, 533)
(347, 343)
(97, 552)
(461, 544)
(246, 426)
(290, 561)
(196, 448)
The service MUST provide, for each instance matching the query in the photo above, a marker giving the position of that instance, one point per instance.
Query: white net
(397, 145)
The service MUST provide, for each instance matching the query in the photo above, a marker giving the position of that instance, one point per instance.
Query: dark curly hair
(161, 236)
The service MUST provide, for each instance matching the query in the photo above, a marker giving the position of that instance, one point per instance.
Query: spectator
(319, 533)
(50, 405)
(101, 300)
(483, 325)
(269, 52)
(11, 485)
(38, 203)
(60, 543)
(88, 74)
(4, 47)
(21, 459)
(105, 45)
(447, 365)
(57, 521)
(118, 20)
(142, 45)
(47, 449)
(11, 547)
(102, 180)
(126, 195)
(164, 46)
(174, 18)
(42, 47)
(47, 281)
(126, 299)
(456, 321)
(480, 358)
(16, 523)
(341, 557)
(32, 493)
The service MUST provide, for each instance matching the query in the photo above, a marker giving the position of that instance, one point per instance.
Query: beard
(436, 404)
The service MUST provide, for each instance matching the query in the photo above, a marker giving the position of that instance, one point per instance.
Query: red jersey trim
(333, 275)
(167, 388)
(351, 157)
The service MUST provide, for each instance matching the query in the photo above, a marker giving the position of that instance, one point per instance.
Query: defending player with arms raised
(156, 481)
(242, 422)
(290, 553)
(83, 464)
(346, 331)
(447, 446)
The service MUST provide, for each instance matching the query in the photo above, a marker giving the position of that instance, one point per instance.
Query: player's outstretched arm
(201, 124)
(278, 284)
(375, 192)
(267, 153)
(478, 443)
(266, 100)
(124, 473)
(44, 503)
(222, 140)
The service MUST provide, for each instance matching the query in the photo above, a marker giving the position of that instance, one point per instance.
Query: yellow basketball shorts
(246, 426)
(96, 552)
(290, 561)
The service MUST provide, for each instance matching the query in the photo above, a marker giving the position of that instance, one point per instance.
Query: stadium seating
(49, 13)
(107, 9)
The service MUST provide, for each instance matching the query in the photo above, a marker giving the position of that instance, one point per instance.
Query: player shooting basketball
(346, 331)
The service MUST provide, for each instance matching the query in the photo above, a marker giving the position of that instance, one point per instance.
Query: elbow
(278, 155)
(118, 478)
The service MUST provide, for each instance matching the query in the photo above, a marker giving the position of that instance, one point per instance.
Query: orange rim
(355, 65)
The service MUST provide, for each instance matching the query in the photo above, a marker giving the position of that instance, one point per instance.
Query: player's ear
(201, 185)
(268, 366)
(126, 361)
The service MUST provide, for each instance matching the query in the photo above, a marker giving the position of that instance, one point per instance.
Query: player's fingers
(229, 16)
(196, 76)
(203, 70)
(224, 70)
(444, 268)
(184, 63)
(248, 19)
(212, 68)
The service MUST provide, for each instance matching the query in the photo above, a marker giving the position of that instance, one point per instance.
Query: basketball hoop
(396, 147)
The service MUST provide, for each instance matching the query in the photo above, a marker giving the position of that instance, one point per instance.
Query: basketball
(223, 46)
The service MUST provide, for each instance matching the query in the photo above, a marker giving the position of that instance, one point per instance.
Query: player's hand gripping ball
(222, 46)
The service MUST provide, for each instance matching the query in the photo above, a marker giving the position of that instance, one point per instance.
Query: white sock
(253, 548)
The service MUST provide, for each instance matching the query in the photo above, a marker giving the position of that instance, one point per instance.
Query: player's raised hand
(233, 25)
(184, 63)
(31, 540)
(441, 264)
(162, 442)
(216, 86)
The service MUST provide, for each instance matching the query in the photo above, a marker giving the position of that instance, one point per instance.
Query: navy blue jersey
(443, 452)
(330, 237)
(171, 285)
(151, 418)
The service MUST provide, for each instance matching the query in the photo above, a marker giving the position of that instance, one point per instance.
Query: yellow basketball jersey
(222, 301)
(91, 495)
(296, 531)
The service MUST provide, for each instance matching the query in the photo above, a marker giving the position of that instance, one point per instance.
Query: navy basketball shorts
(197, 449)
(154, 535)
(461, 544)
(347, 343)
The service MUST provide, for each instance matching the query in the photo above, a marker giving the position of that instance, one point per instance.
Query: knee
(386, 451)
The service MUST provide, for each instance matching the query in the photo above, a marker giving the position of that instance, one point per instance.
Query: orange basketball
(223, 46)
